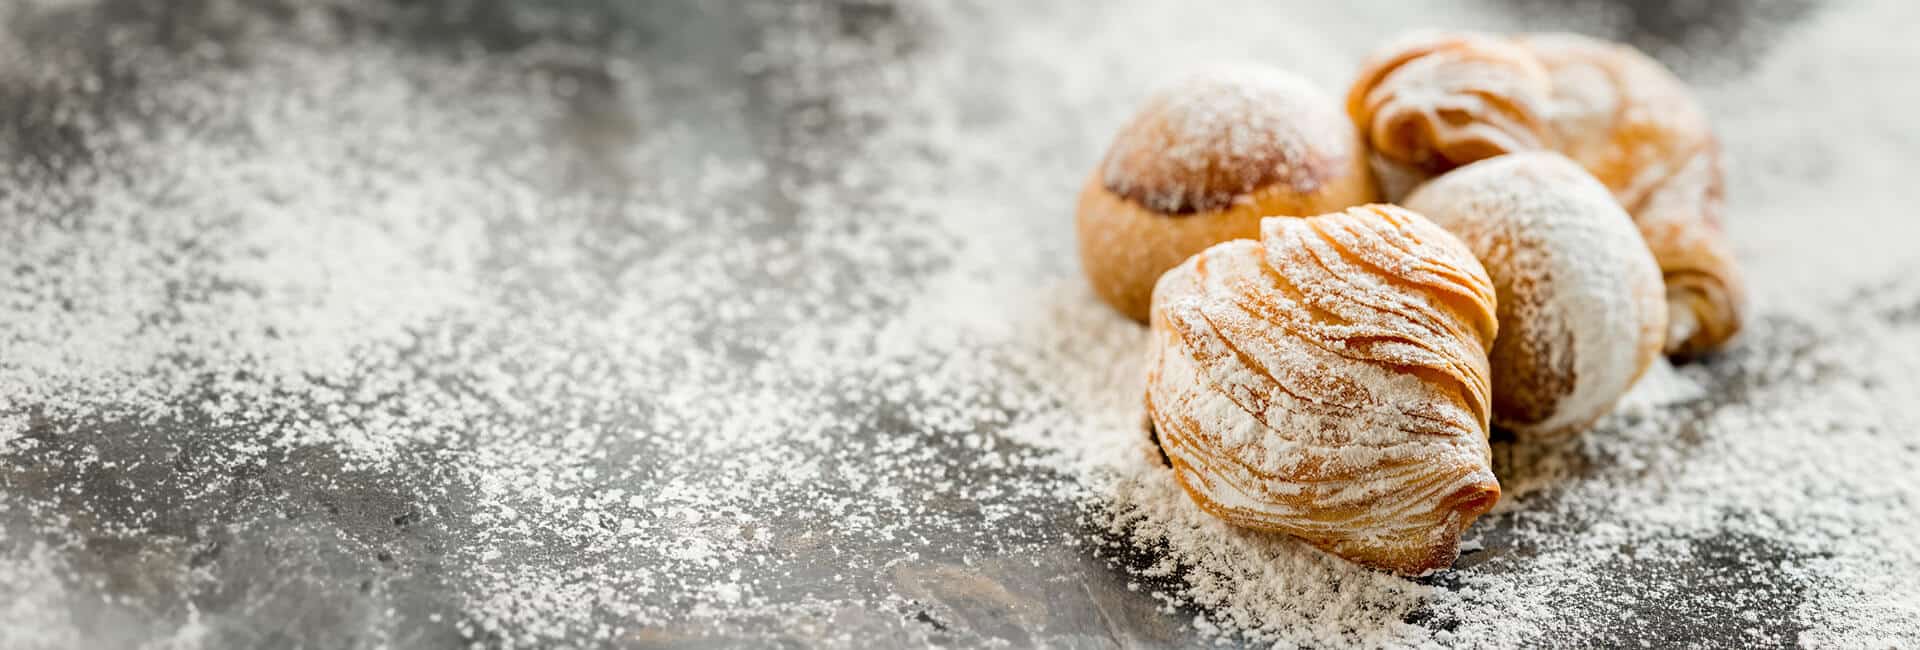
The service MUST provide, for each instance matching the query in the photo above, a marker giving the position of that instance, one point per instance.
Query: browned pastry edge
(1705, 293)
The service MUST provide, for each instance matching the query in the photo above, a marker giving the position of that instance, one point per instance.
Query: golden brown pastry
(1329, 381)
(1431, 103)
(1635, 126)
(1581, 307)
(1201, 163)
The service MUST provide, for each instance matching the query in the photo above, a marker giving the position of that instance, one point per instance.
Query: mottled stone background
(169, 525)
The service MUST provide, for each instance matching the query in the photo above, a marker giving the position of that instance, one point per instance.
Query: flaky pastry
(1430, 102)
(1201, 163)
(1329, 381)
(1581, 307)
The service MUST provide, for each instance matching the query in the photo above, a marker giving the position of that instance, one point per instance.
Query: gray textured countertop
(119, 528)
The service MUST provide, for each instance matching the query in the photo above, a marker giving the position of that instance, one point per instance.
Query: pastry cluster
(1327, 364)
(1432, 103)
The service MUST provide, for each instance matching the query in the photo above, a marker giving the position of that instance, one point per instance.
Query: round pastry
(1329, 381)
(1430, 102)
(1581, 307)
(1201, 163)
(1635, 126)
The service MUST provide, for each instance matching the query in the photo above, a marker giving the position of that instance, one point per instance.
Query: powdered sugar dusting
(544, 341)
(1237, 126)
(1583, 311)
(1278, 388)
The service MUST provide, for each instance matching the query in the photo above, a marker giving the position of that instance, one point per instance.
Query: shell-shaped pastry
(1630, 122)
(1329, 381)
(1581, 306)
(1201, 163)
(1430, 102)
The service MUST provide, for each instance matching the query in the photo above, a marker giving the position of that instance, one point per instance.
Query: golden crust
(1330, 381)
(1432, 102)
(1201, 164)
(1618, 113)
(1635, 126)
(1124, 247)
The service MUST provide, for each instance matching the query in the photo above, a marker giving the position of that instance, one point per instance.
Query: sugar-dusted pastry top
(1224, 133)
(1202, 163)
(1581, 306)
(1330, 381)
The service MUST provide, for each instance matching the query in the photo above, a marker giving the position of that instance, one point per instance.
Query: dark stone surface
(311, 551)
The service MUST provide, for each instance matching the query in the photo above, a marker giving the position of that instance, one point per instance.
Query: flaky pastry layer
(1330, 381)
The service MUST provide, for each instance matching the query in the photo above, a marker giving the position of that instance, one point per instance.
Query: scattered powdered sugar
(591, 344)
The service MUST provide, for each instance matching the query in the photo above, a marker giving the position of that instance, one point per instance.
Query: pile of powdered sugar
(792, 342)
